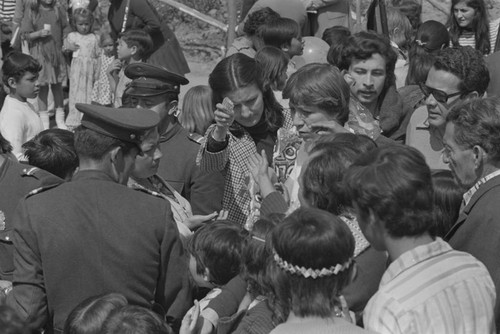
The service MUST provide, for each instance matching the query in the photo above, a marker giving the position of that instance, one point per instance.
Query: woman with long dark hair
(469, 26)
(247, 118)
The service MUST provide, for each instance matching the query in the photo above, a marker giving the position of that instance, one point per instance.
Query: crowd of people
(353, 195)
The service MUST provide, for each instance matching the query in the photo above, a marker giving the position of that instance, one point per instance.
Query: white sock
(60, 119)
(44, 116)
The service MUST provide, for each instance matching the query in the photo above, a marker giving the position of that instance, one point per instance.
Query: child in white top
(84, 45)
(19, 122)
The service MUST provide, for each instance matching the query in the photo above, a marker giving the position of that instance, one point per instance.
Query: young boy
(215, 256)
(428, 287)
(19, 122)
(133, 47)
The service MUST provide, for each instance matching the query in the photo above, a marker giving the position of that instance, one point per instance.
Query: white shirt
(19, 122)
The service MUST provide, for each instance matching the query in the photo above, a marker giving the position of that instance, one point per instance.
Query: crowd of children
(354, 195)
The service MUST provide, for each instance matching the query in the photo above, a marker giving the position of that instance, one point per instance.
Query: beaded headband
(309, 272)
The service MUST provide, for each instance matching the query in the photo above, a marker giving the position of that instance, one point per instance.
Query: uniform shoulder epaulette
(198, 139)
(42, 189)
(41, 175)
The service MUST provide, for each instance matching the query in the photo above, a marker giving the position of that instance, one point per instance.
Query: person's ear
(206, 275)
(117, 162)
(12, 83)
(133, 50)
(285, 48)
(172, 107)
(348, 78)
(479, 156)
(471, 95)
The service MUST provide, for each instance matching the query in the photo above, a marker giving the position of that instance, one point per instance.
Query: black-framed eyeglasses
(439, 95)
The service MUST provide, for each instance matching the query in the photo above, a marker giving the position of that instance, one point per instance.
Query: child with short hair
(197, 110)
(215, 256)
(19, 122)
(84, 44)
(101, 92)
(133, 46)
(285, 34)
(313, 254)
(53, 150)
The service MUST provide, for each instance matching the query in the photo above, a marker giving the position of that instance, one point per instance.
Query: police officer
(93, 235)
(155, 88)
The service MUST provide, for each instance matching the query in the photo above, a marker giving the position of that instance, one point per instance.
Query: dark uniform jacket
(477, 232)
(16, 181)
(178, 167)
(93, 236)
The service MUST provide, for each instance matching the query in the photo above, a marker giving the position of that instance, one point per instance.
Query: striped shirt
(433, 289)
(7, 9)
(469, 39)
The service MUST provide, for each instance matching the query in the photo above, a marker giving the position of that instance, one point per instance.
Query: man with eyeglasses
(457, 74)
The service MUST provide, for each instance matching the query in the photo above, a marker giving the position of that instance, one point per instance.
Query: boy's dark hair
(135, 320)
(279, 32)
(89, 316)
(54, 151)
(362, 46)
(334, 35)
(468, 65)
(140, 39)
(273, 62)
(17, 64)
(218, 247)
(258, 18)
(394, 183)
(93, 145)
(5, 146)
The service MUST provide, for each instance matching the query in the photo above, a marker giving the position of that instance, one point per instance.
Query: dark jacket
(93, 236)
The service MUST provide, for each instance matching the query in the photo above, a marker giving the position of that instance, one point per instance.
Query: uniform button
(7, 238)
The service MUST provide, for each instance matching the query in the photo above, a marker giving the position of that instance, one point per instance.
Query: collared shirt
(468, 195)
(425, 139)
(433, 289)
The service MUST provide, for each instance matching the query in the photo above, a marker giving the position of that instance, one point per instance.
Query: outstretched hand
(190, 320)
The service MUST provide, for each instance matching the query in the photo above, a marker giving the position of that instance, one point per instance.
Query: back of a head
(468, 65)
(140, 39)
(412, 9)
(400, 29)
(53, 150)
(218, 247)
(447, 201)
(363, 45)
(323, 174)
(91, 314)
(273, 62)
(431, 36)
(135, 320)
(393, 182)
(197, 109)
(322, 86)
(335, 35)
(313, 250)
(258, 18)
(279, 32)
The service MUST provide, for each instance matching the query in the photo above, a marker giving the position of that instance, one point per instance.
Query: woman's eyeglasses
(439, 95)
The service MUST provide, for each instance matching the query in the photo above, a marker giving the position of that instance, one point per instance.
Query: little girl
(313, 253)
(44, 27)
(197, 110)
(84, 45)
(101, 94)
